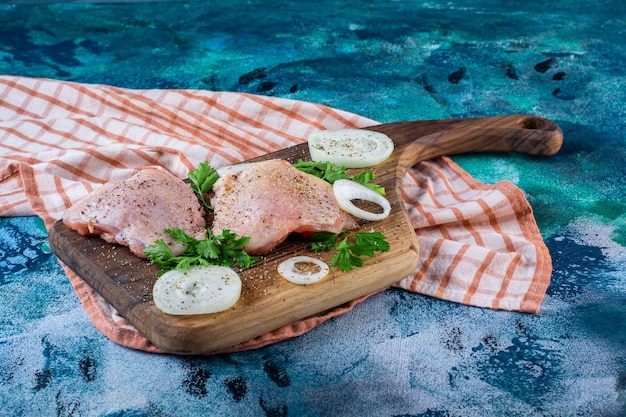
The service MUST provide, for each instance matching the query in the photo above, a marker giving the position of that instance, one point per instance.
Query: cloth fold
(479, 243)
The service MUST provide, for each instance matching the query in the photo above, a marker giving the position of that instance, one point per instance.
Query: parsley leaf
(330, 172)
(372, 240)
(161, 254)
(324, 241)
(349, 251)
(202, 179)
(225, 249)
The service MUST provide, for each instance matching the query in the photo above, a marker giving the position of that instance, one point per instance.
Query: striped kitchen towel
(59, 141)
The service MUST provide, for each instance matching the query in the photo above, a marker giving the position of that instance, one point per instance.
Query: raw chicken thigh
(270, 200)
(135, 212)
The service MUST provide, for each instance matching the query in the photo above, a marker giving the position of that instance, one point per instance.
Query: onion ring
(198, 290)
(350, 148)
(347, 190)
(288, 270)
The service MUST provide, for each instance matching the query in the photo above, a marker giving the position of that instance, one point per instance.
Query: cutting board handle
(418, 141)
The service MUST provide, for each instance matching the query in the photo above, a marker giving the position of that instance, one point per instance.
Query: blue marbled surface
(397, 353)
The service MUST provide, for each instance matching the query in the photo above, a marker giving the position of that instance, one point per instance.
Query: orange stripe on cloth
(449, 272)
(479, 244)
(475, 281)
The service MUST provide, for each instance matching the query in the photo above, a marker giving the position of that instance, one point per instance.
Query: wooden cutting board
(268, 301)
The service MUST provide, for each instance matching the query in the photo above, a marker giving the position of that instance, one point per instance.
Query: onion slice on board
(347, 190)
(351, 148)
(290, 271)
(197, 290)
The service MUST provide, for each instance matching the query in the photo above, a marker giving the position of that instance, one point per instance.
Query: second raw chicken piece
(271, 200)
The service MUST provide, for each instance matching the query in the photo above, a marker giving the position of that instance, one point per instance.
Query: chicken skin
(135, 212)
(271, 200)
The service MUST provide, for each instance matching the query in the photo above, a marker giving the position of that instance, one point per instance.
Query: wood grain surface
(268, 301)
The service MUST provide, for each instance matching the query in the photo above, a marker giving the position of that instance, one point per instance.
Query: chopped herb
(225, 249)
(350, 246)
(331, 173)
(202, 179)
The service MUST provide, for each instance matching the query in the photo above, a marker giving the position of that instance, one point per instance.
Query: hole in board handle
(531, 123)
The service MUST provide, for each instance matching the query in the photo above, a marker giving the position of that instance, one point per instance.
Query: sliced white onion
(290, 271)
(234, 169)
(197, 290)
(351, 148)
(347, 190)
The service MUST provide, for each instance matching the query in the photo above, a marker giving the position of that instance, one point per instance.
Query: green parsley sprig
(331, 173)
(225, 249)
(349, 246)
(202, 179)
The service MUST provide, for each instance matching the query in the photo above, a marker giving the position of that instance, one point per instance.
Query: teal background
(396, 354)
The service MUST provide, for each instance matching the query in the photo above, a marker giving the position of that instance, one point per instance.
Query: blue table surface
(397, 354)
